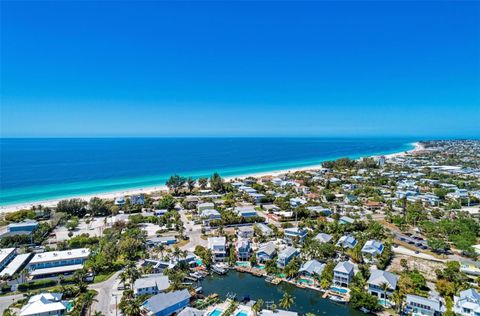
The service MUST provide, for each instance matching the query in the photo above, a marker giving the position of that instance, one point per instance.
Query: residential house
(205, 206)
(264, 229)
(208, 215)
(343, 273)
(311, 268)
(373, 248)
(218, 246)
(166, 304)
(346, 220)
(243, 248)
(285, 256)
(423, 306)
(266, 252)
(246, 211)
(294, 234)
(379, 277)
(347, 241)
(319, 210)
(190, 311)
(467, 303)
(296, 202)
(44, 304)
(323, 238)
(151, 285)
(245, 232)
(257, 197)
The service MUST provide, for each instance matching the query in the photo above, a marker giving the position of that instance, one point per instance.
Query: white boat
(219, 270)
(337, 299)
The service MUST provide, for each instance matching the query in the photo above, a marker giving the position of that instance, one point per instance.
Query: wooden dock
(254, 271)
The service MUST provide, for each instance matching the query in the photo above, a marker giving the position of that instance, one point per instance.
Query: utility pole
(116, 304)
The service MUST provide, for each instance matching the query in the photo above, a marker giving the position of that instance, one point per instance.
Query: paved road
(194, 233)
(421, 255)
(106, 295)
(6, 301)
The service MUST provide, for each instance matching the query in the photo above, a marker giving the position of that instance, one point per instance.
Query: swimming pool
(339, 290)
(384, 302)
(242, 313)
(216, 312)
(309, 282)
(243, 264)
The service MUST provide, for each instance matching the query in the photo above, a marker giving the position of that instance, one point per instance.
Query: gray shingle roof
(378, 277)
(162, 301)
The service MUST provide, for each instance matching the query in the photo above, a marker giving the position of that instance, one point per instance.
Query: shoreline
(148, 190)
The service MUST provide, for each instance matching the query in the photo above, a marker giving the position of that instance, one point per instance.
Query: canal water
(244, 284)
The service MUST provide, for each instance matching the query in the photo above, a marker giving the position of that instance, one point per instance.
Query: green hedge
(36, 285)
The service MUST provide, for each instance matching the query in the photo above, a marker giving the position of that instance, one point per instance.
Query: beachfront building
(294, 234)
(246, 211)
(285, 256)
(57, 262)
(343, 273)
(311, 268)
(347, 241)
(372, 248)
(119, 201)
(377, 279)
(6, 255)
(151, 285)
(44, 304)
(25, 227)
(243, 248)
(467, 303)
(218, 246)
(423, 306)
(266, 252)
(166, 304)
(323, 238)
(137, 199)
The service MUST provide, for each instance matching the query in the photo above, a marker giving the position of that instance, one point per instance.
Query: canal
(244, 284)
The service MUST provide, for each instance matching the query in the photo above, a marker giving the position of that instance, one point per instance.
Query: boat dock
(254, 271)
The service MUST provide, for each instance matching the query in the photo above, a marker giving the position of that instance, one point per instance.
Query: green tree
(287, 301)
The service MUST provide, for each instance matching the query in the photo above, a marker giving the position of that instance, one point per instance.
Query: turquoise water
(339, 290)
(43, 169)
(216, 312)
(242, 313)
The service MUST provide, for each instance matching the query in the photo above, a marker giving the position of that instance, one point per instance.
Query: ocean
(39, 169)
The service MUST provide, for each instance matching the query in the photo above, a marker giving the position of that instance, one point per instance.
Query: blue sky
(240, 68)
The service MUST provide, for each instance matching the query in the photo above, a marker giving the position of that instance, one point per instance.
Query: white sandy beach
(148, 190)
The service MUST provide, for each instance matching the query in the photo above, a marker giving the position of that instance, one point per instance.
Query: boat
(219, 270)
(366, 311)
(337, 299)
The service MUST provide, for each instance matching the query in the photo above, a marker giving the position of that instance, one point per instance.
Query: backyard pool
(339, 290)
(216, 312)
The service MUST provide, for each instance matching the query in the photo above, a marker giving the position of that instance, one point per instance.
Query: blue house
(285, 256)
(294, 233)
(246, 211)
(266, 252)
(166, 304)
(26, 226)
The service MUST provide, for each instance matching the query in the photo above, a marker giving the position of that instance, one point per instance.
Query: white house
(467, 303)
(218, 246)
(152, 284)
(44, 304)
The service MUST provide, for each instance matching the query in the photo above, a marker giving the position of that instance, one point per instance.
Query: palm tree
(258, 306)
(384, 286)
(190, 184)
(132, 308)
(88, 299)
(177, 253)
(161, 248)
(286, 301)
(123, 277)
(98, 313)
